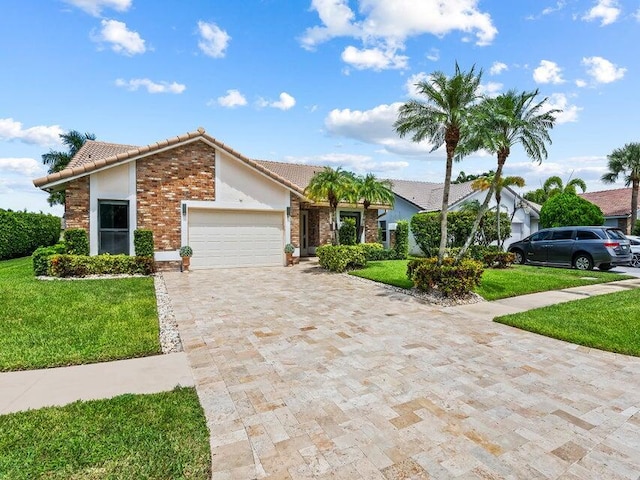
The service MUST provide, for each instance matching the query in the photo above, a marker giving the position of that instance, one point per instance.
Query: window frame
(101, 229)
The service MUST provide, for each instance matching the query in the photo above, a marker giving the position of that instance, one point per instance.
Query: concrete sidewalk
(58, 386)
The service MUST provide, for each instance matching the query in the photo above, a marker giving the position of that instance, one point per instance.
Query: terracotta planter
(289, 259)
(186, 262)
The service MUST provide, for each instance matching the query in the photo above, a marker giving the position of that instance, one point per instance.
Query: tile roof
(613, 203)
(427, 195)
(296, 173)
(94, 150)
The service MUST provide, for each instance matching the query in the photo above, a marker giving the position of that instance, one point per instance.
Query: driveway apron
(305, 374)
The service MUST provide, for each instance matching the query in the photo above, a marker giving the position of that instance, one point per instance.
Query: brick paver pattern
(305, 374)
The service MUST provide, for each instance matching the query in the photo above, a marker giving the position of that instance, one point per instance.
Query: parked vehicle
(579, 247)
(635, 250)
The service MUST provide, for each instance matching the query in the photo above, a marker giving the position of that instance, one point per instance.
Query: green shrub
(451, 279)
(82, 265)
(636, 229)
(143, 242)
(21, 233)
(567, 209)
(426, 231)
(40, 257)
(338, 258)
(347, 233)
(401, 247)
(498, 259)
(77, 241)
(371, 249)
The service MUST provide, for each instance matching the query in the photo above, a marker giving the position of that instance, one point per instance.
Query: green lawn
(157, 436)
(54, 323)
(497, 283)
(608, 322)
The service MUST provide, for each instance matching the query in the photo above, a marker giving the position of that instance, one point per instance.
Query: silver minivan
(579, 247)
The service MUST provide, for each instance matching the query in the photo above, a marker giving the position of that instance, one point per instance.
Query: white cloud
(384, 25)
(355, 163)
(602, 70)
(38, 135)
(637, 14)
(94, 7)
(232, 99)
(490, 89)
(151, 86)
(373, 58)
(213, 40)
(580, 83)
(375, 127)
(412, 81)
(589, 169)
(569, 112)
(433, 55)
(559, 6)
(497, 68)
(122, 40)
(22, 166)
(607, 11)
(548, 72)
(285, 102)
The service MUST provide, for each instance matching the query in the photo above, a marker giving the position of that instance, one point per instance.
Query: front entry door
(304, 233)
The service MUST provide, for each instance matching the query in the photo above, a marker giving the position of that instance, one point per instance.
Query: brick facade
(295, 220)
(165, 179)
(370, 226)
(76, 208)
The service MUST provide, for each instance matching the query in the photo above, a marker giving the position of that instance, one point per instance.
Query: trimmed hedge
(143, 242)
(40, 257)
(401, 247)
(77, 241)
(21, 233)
(451, 279)
(491, 256)
(338, 258)
(81, 265)
(347, 233)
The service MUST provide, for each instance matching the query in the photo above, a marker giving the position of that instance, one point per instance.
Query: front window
(113, 227)
(383, 230)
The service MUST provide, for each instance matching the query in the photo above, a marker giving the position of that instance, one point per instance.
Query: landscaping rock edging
(169, 335)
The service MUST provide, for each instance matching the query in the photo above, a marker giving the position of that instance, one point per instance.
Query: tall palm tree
(626, 161)
(333, 186)
(57, 161)
(485, 183)
(440, 119)
(554, 185)
(370, 190)
(502, 122)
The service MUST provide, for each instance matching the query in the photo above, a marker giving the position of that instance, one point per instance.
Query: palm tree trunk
(451, 147)
(634, 203)
(498, 200)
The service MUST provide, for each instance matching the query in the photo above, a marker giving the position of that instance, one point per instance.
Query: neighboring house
(413, 197)
(615, 206)
(194, 190)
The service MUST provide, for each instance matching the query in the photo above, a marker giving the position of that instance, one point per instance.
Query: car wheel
(519, 257)
(635, 261)
(605, 266)
(583, 262)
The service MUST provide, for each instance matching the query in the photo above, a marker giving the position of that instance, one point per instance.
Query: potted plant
(288, 250)
(185, 253)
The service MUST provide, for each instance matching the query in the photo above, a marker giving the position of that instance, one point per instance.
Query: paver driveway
(308, 374)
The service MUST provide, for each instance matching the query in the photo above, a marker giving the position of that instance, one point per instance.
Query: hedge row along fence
(21, 233)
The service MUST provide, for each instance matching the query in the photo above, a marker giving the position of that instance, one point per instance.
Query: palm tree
(440, 119)
(464, 178)
(485, 183)
(553, 185)
(333, 186)
(626, 161)
(370, 190)
(57, 161)
(502, 122)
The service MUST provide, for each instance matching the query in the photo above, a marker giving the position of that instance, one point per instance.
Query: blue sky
(310, 81)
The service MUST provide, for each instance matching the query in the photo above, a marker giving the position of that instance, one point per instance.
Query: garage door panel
(230, 239)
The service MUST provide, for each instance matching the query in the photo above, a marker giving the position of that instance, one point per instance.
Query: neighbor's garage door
(235, 238)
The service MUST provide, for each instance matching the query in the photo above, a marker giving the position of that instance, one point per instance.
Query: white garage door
(235, 238)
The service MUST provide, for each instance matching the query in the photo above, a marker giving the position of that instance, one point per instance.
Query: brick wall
(371, 226)
(165, 179)
(325, 235)
(295, 220)
(76, 208)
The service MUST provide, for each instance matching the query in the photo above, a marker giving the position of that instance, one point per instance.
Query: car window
(634, 242)
(587, 235)
(538, 236)
(616, 234)
(562, 235)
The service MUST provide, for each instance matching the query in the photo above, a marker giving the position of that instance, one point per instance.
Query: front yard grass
(497, 283)
(55, 323)
(608, 322)
(154, 436)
